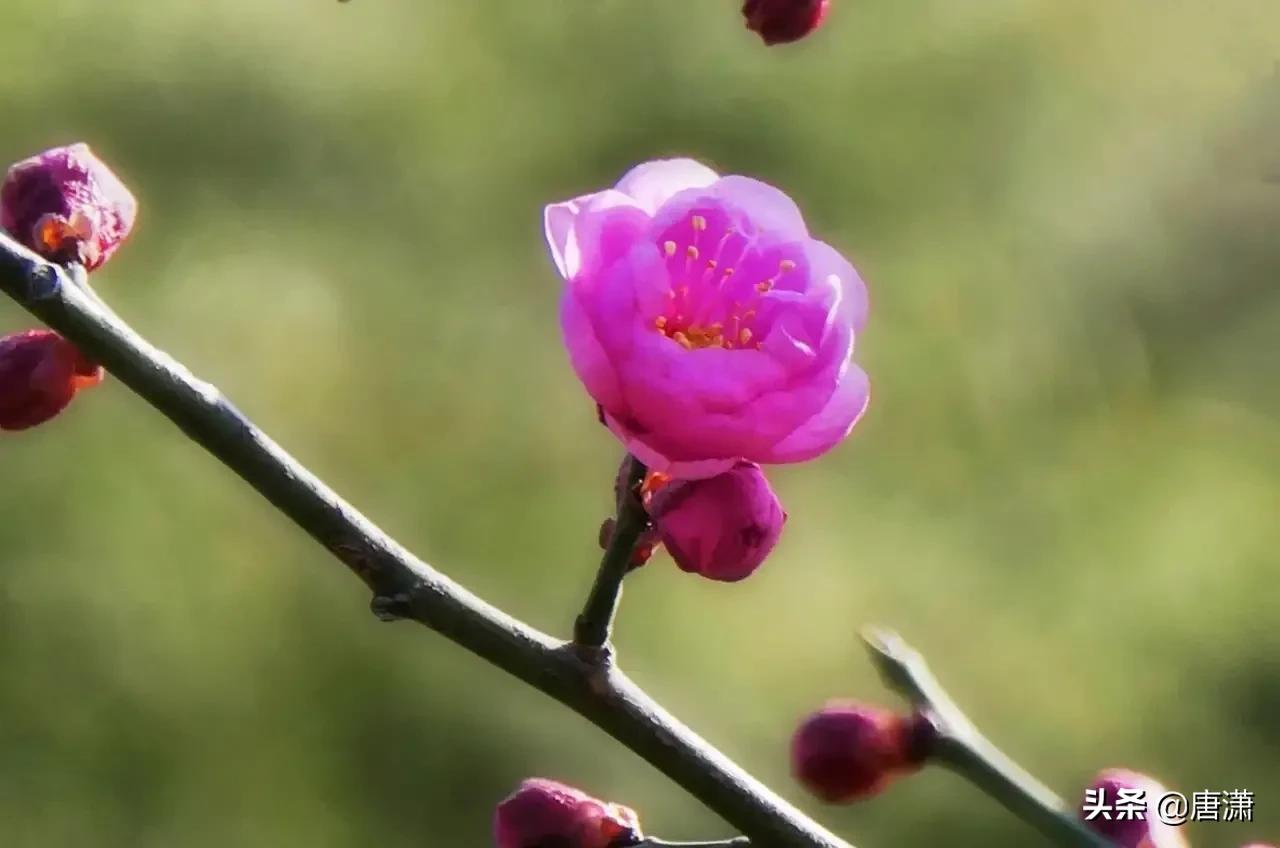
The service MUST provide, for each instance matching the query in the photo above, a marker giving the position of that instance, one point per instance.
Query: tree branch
(960, 747)
(594, 625)
(404, 586)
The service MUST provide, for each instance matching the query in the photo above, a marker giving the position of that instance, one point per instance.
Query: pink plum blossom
(544, 813)
(67, 205)
(706, 323)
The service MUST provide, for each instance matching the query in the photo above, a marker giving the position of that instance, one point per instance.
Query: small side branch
(962, 749)
(595, 624)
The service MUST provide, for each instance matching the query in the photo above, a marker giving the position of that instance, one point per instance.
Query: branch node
(595, 657)
(43, 283)
(391, 608)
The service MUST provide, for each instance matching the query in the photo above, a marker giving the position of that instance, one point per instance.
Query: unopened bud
(40, 372)
(848, 751)
(721, 527)
(67, 206)
(780, 21)
(546, 813)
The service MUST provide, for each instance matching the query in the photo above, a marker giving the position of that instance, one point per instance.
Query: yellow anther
(744, 336)
(786, 265)
(683, 340)
(669, 247)
(660, 322)
(691, 252)
(728, 272)
(764, 287)
(698, 222)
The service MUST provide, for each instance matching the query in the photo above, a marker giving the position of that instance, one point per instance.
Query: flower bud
(721, 527)
(780, 21)
(67, 206)
(849, 751)
(545, 813)
(40, 372)
(1122, 806)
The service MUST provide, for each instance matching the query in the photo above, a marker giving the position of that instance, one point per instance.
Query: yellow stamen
(660, 322)
(698, 222)
(691, 252)
(764, 287)
(786, 265)
(744, 336)
(669, 247)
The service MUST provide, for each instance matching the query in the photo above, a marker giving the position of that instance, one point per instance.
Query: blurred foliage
(1065, 493)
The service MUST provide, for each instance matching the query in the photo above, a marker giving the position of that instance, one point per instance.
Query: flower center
(712, 301)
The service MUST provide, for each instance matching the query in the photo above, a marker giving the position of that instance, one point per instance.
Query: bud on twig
(848, 751)
(67, 205)
(40, 373)
(543, 813)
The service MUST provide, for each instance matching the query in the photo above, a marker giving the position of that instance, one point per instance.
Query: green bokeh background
(1065, 493)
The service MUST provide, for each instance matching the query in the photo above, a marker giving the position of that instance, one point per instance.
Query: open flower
(67, 205)
(546, 813)
(40, 372)
(705, 322)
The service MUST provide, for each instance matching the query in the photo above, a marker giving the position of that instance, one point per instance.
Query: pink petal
(611, 297)
(769, 209)
(824, 430)
(653, 183)
(560, 224)
(655, 460)
(586, 354)
(825, 262)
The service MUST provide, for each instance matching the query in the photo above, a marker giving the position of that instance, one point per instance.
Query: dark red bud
(782, 21)
(40, 372)
(544, 813)
(848, 751)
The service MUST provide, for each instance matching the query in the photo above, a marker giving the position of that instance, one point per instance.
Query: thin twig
(595, 623)
(961, 748)
(404, 586)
